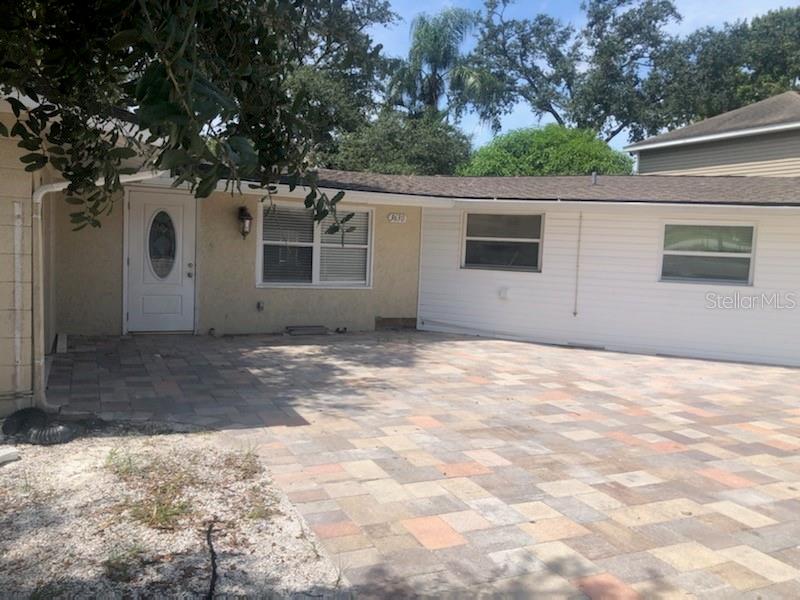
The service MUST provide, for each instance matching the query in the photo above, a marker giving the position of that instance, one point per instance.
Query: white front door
(161, 262)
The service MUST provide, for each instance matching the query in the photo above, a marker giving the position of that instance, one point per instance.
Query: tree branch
(614, 132)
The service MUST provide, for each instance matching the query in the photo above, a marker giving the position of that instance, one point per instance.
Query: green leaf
(121, 153)
(35, 166)
(16, 106)
(32, 157)
(3, 130)
(159, 112)
(204, 87)
(207, 185)
(173, 157)
(244, 148)
(123, 39)
(30, 144)
(152, 78)
(59, 162)
(18, 130)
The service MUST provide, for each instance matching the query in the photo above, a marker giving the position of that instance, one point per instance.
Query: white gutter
(38, 373)
(635, 148)
(59, 186)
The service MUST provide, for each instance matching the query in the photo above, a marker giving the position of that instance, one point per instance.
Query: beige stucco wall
(227, 294)
(87, 272)
(15, 319)
(774, 155)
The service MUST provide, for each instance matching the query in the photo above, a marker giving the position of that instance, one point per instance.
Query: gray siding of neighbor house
(771, 155)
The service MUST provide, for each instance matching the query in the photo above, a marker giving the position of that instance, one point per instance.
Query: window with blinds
(297, 251)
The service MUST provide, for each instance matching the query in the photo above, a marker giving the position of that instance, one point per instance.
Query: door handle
(190, 275)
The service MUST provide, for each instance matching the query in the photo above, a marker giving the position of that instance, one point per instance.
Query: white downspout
(38, 373)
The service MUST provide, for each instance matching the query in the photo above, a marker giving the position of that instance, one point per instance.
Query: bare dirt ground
(129, 512)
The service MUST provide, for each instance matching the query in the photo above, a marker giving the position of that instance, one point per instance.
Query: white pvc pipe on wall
(18, 227)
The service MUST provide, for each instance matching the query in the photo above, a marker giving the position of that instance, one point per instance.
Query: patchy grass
(161, 507)
(158, 485)
(123, 513)
(123, 563)
(261, 504)
(121, 463)
(243, 466)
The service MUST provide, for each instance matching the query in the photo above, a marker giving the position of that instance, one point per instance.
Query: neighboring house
(758, 139)
(691, 266)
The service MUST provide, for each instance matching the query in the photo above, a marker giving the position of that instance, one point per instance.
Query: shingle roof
(778, 110)
(761, 191)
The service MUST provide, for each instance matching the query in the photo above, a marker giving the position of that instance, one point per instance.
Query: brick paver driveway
(429, 463)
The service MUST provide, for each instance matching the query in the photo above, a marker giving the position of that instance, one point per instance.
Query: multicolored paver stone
(430, 463)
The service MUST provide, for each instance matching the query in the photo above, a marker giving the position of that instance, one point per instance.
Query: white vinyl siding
(296, 251)
(614, 287)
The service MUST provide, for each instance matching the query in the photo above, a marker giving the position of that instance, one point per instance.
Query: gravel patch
(126, 511)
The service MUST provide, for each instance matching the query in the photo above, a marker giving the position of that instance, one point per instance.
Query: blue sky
(696, 14)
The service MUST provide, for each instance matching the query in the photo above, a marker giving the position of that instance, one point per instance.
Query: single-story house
(695, 266)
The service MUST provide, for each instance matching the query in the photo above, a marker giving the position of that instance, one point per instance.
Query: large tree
(623, 71)
(398, 144)
(205, 88)
(422, 81)
(714, 70)
(595, 78)
(343, 71)
(551, 150)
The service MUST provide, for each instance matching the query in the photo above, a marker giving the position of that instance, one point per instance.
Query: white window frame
(717, 282)
(316, 246)
(464, 238)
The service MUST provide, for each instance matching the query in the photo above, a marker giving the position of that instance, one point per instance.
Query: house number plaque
(396, 218)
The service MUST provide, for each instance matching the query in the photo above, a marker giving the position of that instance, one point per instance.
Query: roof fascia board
(353, 196)
(377, 198)
(389, 199)
(475, 203)
(636, 148)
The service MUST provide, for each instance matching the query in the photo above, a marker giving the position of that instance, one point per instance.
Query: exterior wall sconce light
(245, 221)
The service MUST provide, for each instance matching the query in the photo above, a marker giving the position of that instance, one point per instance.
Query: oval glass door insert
(161, 245)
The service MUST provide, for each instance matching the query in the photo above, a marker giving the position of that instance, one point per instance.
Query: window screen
(507, 242)
(708, 253)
